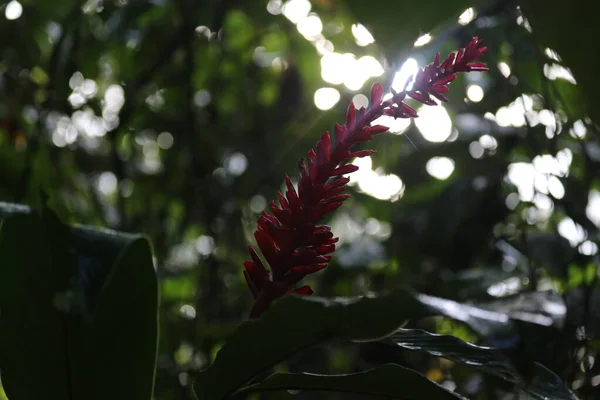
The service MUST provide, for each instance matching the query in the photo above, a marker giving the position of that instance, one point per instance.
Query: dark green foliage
(63, 336)
(208, 86)
(295, 324)
(542, 384)
(389, 380)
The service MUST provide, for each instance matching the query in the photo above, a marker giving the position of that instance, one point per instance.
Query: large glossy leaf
(577, 23)
(86, 336)
(389, 381)
(122, 340)
(296, 323)
(292, 324)
(31, 332)
(545, 384)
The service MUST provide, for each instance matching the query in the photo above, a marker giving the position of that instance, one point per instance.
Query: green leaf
(544, 385)
(566, 28)
(389, 381)
(31, 332)
(296, 323)
(51, 334)
(121, 343)
(292, 324)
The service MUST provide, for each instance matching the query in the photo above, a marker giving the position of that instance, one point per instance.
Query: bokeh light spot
(13, 10)
(205, 245)
(326, 98)
(467, 16)
(376, 183)
(571, 231)
(236, 164)
(404, 75)
(475, 93)
(310, 27)
(362, 35)
(423, 40)
(504, 69)
(434, 123)
(440, 167)
(107, 183)
(165, 140)
(296, 10)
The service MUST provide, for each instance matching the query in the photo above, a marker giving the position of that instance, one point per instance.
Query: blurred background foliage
(179, 119)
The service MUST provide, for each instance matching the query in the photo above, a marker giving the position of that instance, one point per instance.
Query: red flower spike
(445, 80)
(335, 199)
(361, 136)
(304, 290)
(361, 114)
(363, 153)
(251, 281)
(291, 195)
(478, 67)
(340, 133)
(327, 208)
(440, 89)
(448, 61)
(346, 169)
(459, 56)
(281, 214)
(376, 93)
(323, 148)
(255, 258)
(440, 97)
(409, 111)
(350, 114)
(377, 129)
(290, 239)
(338, 182)
(420, 97)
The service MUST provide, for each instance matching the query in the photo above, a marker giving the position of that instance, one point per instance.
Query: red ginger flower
(290, 240)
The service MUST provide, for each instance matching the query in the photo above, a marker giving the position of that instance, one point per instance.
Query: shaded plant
(291, 241)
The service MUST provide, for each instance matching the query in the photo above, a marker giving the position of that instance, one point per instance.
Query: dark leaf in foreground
(389, 381)
(296, 323)
(544, 385)
(45, 337)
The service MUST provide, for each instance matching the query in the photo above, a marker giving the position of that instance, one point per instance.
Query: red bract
(290, 240)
